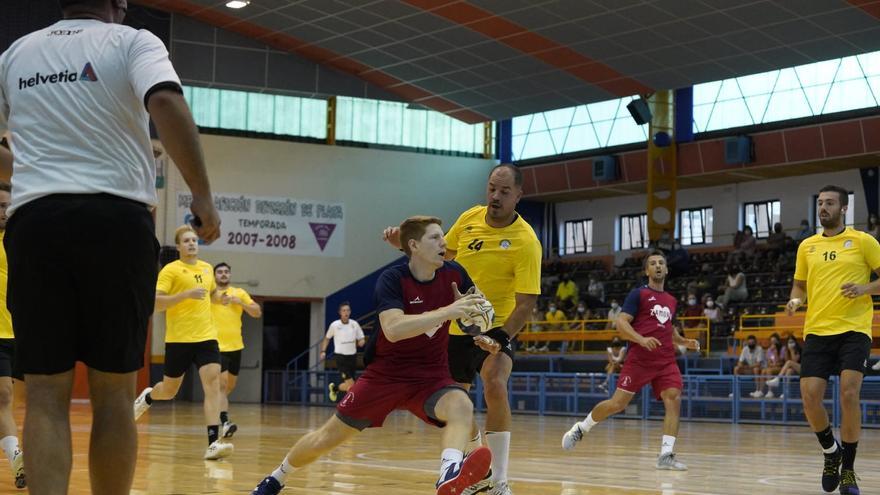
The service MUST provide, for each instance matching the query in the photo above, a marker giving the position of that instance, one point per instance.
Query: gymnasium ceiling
(478, 60)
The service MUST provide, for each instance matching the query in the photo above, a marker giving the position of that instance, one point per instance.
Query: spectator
(567, 292)
(534, 324)
(554, 318)
(665, 242)
(777, 242)
(712, 312)
(702, 283)
(751, 360)
(873, 226)
(805, 231)
(581, 313)
(595, 293)
(775, 358)
(792, 364)
(678, 260)
(613, 313)
(735, 289)
(692, 312)
(616, 354)
(744, 245)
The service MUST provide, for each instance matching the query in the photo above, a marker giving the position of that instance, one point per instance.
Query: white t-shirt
(345, 336)
(72, 96)
(753, 358)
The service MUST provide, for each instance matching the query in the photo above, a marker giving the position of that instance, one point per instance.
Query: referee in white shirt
(347, 336)
(76, 98)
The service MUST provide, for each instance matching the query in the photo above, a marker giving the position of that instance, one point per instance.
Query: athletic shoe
(229, 428)
(140, 404)
(668, 462)
(334, 394)
(876, 366)
(218, 450)
(848, 485)
(831, 471)
(481, 486)
(501, 488)
(770, 395)
(773, 382)
(471, 470)
(757, 394)
(269, 486)
(572, 437)
(18, 469)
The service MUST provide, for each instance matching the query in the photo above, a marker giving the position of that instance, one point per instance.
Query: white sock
(499, 444)
(283, 470)
(9, 445)
(475, 442)
(588, 423)
(829, 450)
(667, 445)
(449, 457)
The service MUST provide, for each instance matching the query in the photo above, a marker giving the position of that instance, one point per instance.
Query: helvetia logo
(87, 74)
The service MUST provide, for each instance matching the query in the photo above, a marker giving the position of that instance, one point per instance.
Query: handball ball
(478, 322)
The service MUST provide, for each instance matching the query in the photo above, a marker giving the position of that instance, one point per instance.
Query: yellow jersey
(227, 319)
(189, 320)
(5, 317)
(826, 263)
(501, 262)
(567, 290)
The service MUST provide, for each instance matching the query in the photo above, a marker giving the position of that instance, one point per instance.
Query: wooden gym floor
(403, 458)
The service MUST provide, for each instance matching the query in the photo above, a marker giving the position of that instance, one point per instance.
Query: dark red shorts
(636, 375)
(373, 397)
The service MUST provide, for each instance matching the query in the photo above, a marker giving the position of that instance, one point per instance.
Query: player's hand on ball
(487, 344)
(693, 344)
(391, 235)
(650, 343)
(465, 304)
(793, 306)
(198, 293)
(851, 290)
(207, 225)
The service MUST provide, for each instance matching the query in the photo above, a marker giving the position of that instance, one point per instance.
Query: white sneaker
(730, 395)
(218, 450)
(501, 488)
(668, 462)
(773, 382)
(757, 394)
(770, 395)
(140, 404)
(228, 429)
(17, 464)
(876, 366)
(572, 436)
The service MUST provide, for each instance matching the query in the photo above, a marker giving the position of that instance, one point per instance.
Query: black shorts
(347, 365)
(824, 356)
(180, 355)
(82, 282)
(230, 361)
(7, 359)
(466, 358)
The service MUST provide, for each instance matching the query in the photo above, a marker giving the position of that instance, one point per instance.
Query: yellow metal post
(662, 166)
(331, 120)
(487, 139)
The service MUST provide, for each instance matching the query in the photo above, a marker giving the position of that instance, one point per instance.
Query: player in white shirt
(347, 336)
(76, 98)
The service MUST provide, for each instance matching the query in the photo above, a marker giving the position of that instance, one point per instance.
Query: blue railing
(722, 398)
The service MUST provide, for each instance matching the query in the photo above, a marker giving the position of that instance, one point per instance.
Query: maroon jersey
(424, 356)
(653, 313)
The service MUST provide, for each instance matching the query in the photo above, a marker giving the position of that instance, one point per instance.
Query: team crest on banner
(322, 232)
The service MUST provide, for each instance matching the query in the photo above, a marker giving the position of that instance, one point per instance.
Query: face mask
(552, 309)
(709, 304)
(692, 302)
(581, 309)
(792, 344)
(613, 305)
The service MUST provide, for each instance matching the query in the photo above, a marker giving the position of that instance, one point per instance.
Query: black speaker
(605, 168)
(738, 149)
(640, 111)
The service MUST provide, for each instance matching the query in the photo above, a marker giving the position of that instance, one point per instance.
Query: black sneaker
(831, 471)
(848, 484)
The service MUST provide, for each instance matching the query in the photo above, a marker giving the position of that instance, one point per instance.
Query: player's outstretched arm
(520, 314)
(399, 326)
(253, 309)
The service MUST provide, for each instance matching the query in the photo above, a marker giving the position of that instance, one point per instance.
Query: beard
(831, 221)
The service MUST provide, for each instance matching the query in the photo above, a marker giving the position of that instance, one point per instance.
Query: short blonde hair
(179, 231)
(414, 228)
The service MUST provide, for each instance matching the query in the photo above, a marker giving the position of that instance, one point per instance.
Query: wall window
(577, 237)
(761, 216)
(696, 226)
(634, 231)
(850, 219)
